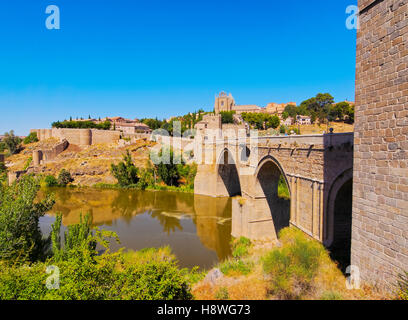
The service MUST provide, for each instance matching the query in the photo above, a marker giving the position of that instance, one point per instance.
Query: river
(197, 228)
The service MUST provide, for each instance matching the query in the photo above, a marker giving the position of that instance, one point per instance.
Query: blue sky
(163, 58)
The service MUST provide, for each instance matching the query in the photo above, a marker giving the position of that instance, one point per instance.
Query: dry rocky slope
(88, 165)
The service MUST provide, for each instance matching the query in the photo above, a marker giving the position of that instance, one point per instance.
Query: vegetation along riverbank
(298, 268)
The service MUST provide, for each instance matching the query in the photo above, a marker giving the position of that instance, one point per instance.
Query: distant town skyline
(160, 59)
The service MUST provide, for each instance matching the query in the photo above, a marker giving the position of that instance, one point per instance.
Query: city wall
(41, 156)
(82, 137)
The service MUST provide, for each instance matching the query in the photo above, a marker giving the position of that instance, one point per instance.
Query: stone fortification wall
(40, 156)
(82, 137)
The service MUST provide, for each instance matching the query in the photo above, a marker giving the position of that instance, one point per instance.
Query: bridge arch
(228, 182)
(268, 175)
(338, 220)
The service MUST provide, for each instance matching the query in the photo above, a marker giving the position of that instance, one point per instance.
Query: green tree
(64, 178)
(51, 181)
(11, 142)
(168, 172)
(291, 111)
(20, 235)
(32, 137)
(227, 116)
(125, 172)
(273, 122)
(350, 114)
(318, 107)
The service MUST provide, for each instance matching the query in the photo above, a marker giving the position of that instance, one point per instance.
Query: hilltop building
(125, 125)
(224, 102)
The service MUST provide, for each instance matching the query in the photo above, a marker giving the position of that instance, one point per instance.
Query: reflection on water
(197, 228)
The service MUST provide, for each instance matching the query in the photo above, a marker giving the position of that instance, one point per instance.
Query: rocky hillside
(88, 165)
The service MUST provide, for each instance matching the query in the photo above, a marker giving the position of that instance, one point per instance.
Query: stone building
(303, 120)
(131, 128)
(380, 182)
(212, 125)
(278, 108)
(224, 102)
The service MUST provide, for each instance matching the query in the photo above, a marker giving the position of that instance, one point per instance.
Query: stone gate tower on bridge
(380, 182)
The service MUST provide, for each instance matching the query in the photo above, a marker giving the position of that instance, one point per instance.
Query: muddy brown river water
(197, 228)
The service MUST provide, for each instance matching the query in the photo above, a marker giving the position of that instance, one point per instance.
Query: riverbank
(106, 186)
(88, 165)
(297, 268)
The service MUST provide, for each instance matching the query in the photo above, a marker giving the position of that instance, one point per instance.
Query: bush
(331, 295)
(222, 294)
(282, 129)
(240, 247)
(146, 178)
(233, 266)
(293, 267)
(51, 181)
(3, 173)
(283, 190)
(151, 274)
(32, 137)
(20, 235)
(28, 162)
(125, 172)
(64, 178)
(403, 286)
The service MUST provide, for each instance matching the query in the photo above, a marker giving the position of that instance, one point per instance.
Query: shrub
(125, 172)
(240, 247)
(51, 181)
(3, 172)
(283, 190)
(282, 129)
(293, 266)
(32, 137)
(84, 275)
(403, 286)
(331, 295)
(28, 162)
(222, 294)
(146, 178)
(64, 178)
(20, 235)
(188, 173)
(233, 266)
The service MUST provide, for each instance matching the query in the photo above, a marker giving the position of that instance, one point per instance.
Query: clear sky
(161, 58)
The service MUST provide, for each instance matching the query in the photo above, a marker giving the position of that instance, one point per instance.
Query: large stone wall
(79, 136)
(380, 198)
(40, 156)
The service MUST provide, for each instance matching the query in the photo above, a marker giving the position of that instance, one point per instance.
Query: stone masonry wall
(76, 136)
(380, 181)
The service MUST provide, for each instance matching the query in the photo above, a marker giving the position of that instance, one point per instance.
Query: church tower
(223, 102)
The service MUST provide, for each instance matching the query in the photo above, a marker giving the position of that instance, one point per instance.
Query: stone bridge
(317, 169)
